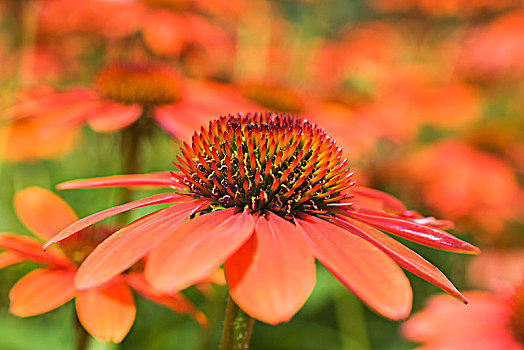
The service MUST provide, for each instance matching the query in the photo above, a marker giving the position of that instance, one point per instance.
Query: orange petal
(42, 211)
(179, 121)
(176, 302)
(164, 32)
(401, 254)
(128, 245)
(161, 179)
(107, 312)
(197, 248)
(272, 275)
(114, 116)
(31, 249)
(41, 291)
(365, 270)
(387, 201)
(9, 258)
(26, 141)
(104, 214)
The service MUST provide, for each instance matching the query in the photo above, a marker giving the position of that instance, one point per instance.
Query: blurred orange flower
(107, 311)
(490, 321)
(464, 184)
(496, 49)
(272, 193)
(443, 7)
(120, 95)
(497, 269)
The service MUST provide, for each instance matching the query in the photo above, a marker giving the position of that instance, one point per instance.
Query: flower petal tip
(47, 244)
(472, 250)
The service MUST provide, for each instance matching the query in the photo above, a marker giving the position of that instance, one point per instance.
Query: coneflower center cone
(266, 162)
(147, 85)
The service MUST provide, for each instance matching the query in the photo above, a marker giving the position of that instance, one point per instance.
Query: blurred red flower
(491, 321)
(106, 311)
(272, 193)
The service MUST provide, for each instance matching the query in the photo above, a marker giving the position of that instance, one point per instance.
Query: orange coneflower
(107, 311)
(120, 95)
(492, 321)
(272, 194)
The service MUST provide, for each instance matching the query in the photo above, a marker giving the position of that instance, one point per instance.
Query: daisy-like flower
(124, 92)
(107, 311)
(492, 321)
(266, 195)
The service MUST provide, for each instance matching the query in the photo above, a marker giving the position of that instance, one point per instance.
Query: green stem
(82, 337)
(238, 327)
(131, 139)
(351, 321)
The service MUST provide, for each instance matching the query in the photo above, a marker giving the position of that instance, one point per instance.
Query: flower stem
(82, 337)
(351, 321)
(238, 327)
(130, 147)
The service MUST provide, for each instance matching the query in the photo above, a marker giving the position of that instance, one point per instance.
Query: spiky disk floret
(266, 162)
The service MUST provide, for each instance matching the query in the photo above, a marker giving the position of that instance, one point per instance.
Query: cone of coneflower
(266, 195)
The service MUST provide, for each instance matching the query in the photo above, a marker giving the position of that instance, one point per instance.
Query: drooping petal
(10, 258)
(114, 116)
(41, 291)
(271, 276)
(176, 302)
(161, 179)
(107, 312)
(162, 198)
(42, 211)
(31, 249)
(365, 270)
(197, 248)
(387, 202)
(401, 254)
(425, 235)
(128, 245)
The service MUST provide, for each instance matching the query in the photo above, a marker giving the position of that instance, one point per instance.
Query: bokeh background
(425, 97)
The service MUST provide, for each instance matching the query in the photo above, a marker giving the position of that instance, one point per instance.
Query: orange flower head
(265, 195)
(130, 83)
(78, 247)
(266, 162)
(274, 97)
(516, 321)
